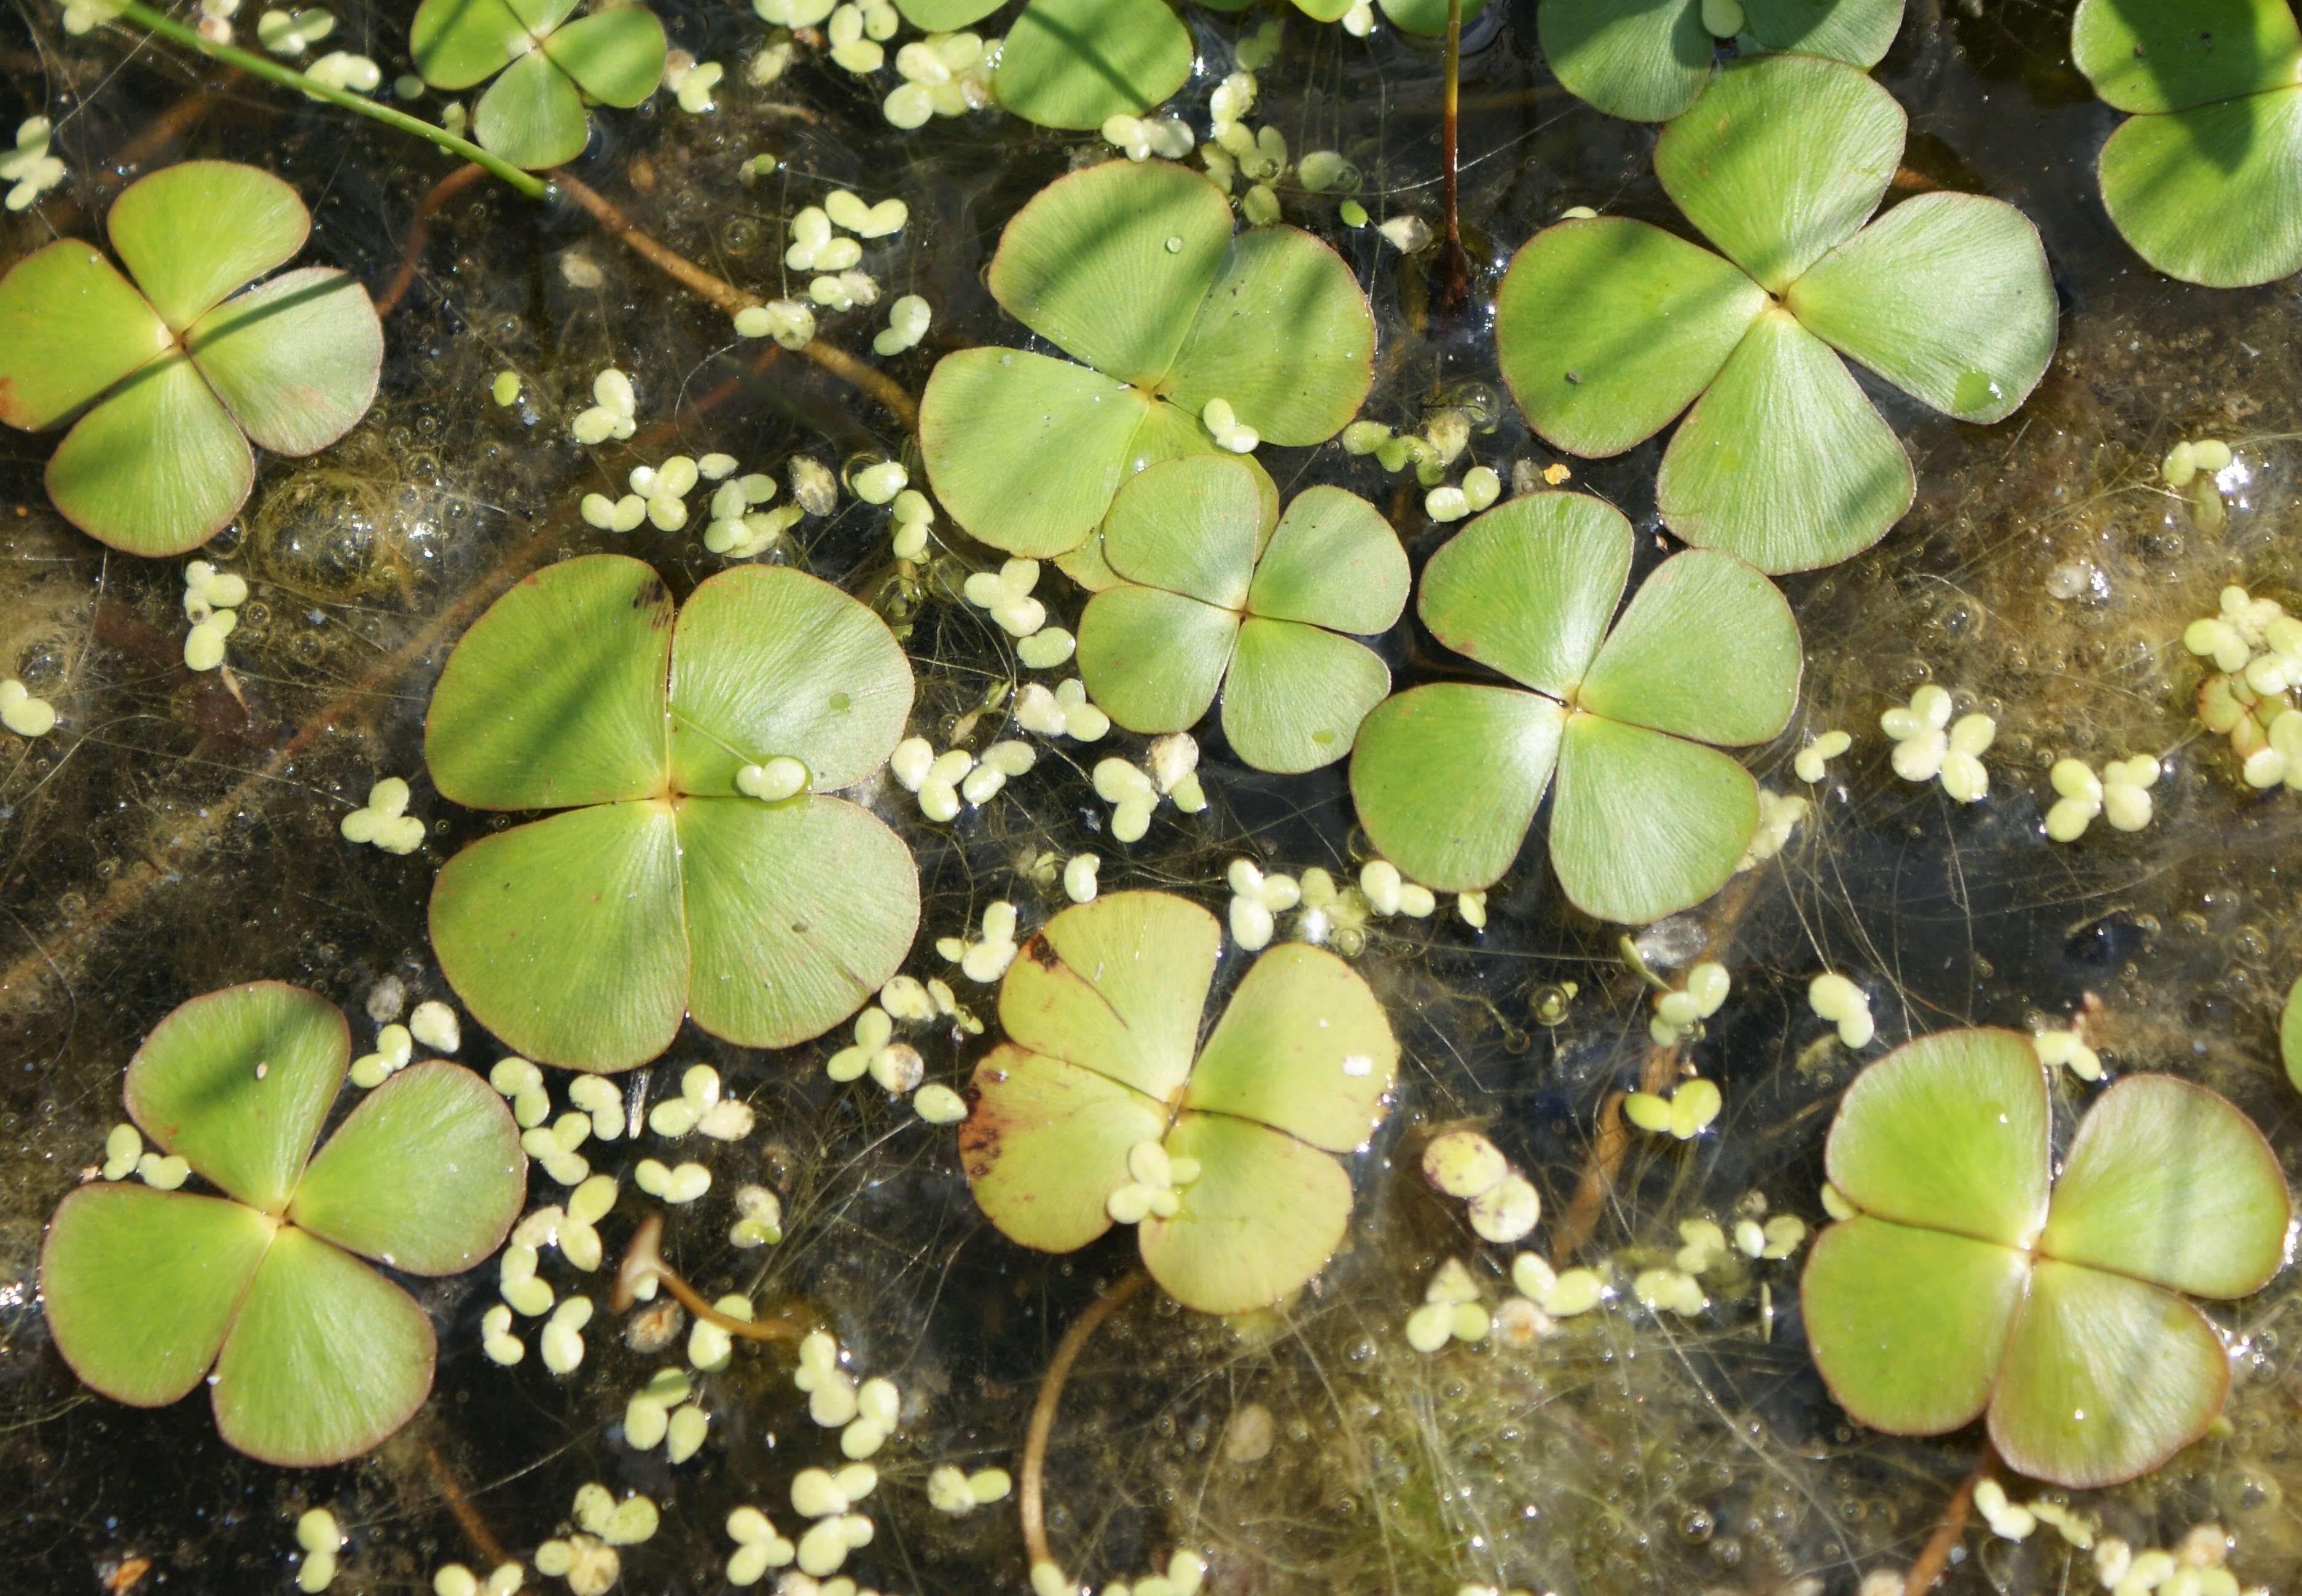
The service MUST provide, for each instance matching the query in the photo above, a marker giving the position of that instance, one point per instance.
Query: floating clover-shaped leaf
(1607, 328)
(665, 888)
(533, 115)
(1132, 268)
(1076, 63)
(172, 369)
(2205, 180)
(1962, 1285)
(1212, 595)
(1647, 60)
(1409, 16)
(2289, 1033)
(317, 1358)
(1648, 819)
(1095, 1109)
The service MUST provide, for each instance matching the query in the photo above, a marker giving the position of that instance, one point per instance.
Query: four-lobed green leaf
(2289, 1033)
(2205, 180)
(1076, 63)
(661, 890)
(1970, 1280)
(1607, 328)
(1101, 1011)
(167, 373)
(1647, 60)
(1133, 269)
(1647, 819)
(1218, 592)
(317, 1358)
(533, 114)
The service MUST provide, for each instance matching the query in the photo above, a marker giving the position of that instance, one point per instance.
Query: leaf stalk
(166, 26)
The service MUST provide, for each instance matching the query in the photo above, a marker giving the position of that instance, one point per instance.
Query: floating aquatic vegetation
(24, 713)
(768, 917)
(2205, 180)
(168, 372)
(1970, 1280)
(1134, 270)
(1219, 595)
(1075, 63)
(1101, 1106)
(1648, 60)
(1648, 819)
(28, 168)
(546, 67)
(315, 1357)
(1079, 64)
(2045, 572)
(1607, 328)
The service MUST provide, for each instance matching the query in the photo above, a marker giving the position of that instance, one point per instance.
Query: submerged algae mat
(180, 832)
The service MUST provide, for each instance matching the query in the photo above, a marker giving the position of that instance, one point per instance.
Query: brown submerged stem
(419, 230)
(459, 1505)
(1454, 290)
(643, 1261)
(1032, 1500)
(1656, 1074)
(1935, 1557)
(730, 300)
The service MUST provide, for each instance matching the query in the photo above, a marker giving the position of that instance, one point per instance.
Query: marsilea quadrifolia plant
(546, 67)
(696, 866)
(1647, 59)
(1076, 63)
(1217, 592)
(167, 373)
(1133, 270)
(1103, 1106)
(315, 1356)
(1073, 63)
(1648, 817)
(1973, 1282)
(1607, 328)
(2205, 180)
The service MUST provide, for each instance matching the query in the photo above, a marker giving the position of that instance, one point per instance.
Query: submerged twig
(730, 300)
(1656, 1075)
(419, 227)
(643, 1261)
(467, 1517)
(1936, 1555)
(1031, 1499)
(1454, 288)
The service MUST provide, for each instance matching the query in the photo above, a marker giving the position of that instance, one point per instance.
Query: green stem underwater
(168, 27)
